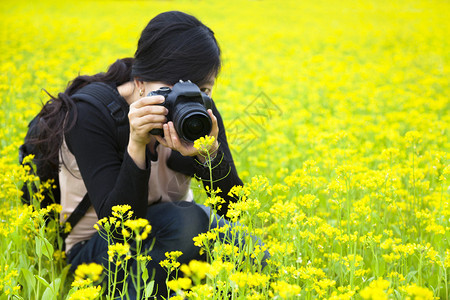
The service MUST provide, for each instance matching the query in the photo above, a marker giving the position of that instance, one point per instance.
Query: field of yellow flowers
(338, 117)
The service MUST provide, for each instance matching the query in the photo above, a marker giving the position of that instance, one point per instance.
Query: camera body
(187, 107)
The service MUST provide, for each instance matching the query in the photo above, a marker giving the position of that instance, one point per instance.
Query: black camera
(187, 107)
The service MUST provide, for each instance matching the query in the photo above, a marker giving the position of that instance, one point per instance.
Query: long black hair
(173, 46)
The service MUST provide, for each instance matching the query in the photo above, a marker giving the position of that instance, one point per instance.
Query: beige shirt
(164, 184)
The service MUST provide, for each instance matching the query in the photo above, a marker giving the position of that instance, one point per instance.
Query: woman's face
(207, 86)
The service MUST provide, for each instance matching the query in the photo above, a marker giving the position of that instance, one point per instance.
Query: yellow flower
(171, 262)
(416, 292)
(143, 258)
(203, 144)
(179, 284)
(413, 138)
(136, 224)
(59, 255)
(377, 289)
(249, 279)
(445, 173)
(173, 255)
(203, 291)
(119, 249)
(126, 233)
(91, 271)
(284, 289)
(120, 210)
(67, 227)
(214, 202)
(86, 293)
(28, 159)
(78, 282)
(195, 268)
(446, 260)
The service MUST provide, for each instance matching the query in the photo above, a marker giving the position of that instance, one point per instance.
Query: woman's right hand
(145, 114)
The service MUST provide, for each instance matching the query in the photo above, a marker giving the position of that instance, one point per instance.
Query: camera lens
(196, 126)
(191, 121)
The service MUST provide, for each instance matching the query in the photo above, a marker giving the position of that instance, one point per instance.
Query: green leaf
(51, 292)
(29, 278)
(149, 289)
(47, 249)
(145, 274)
(63, 275)
(42, 280)
(410, 276)
(55, 284)
(48, 294)
(38, 246)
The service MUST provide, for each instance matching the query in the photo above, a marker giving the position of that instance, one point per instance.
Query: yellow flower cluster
(137, 225)
(7, 286)
(251, 280)
(195, 268)
(91, 271)
(417, 292)
(120, 210)
(203, 144)
(180, 284)
(377, 289)
(284, 290)
(171, 263)
(120, 250)
(88, 293)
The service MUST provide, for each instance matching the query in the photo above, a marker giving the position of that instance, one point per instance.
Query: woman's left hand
(172, 140)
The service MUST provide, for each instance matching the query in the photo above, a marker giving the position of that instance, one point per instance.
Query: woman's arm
(110, 177)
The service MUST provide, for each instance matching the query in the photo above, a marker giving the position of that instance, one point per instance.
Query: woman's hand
(172, 140)
(145, 114)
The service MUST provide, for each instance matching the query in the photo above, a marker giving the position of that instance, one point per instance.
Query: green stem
(109, 270)
(138, 271)
(419, 271)
(39, 272)
(348, 206)
(446, 285)
(414, 178)
(212, 194)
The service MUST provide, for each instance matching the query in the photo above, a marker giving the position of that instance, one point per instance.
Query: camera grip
(164, 91)
(157, 131)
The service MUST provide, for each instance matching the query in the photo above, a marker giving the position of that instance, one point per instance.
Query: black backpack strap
(115, 105)
(103, 96)
(108, 96)
(76, 215)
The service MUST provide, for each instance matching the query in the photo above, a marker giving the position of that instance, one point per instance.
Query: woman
(150, 173)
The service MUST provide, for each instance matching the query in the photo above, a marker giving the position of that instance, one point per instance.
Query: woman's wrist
(137, 152)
